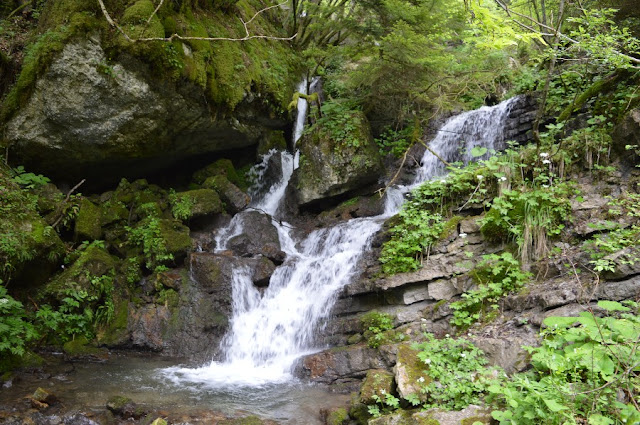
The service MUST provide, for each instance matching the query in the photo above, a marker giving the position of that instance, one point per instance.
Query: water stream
(270, 330)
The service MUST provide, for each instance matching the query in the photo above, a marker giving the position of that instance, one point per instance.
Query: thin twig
(73, 189)
(434, 153)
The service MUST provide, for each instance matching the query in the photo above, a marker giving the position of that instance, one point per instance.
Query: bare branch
(247, 36)
(557, 32)
(154, 12)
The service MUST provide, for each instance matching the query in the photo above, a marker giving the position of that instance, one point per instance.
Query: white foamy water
(270, 330)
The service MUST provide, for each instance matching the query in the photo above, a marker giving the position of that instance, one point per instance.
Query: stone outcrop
(420, 301)
(93, 117)
(627, 133)
(330, 168)
(259, 237)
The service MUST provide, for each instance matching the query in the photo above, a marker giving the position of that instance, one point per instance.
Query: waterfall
(270, 330)
(454, 141)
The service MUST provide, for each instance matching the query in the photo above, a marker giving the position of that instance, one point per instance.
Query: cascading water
(270, 330)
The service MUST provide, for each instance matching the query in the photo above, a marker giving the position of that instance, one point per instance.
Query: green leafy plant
(340, 121)
(415, 233)
(376, 327)
(15, 330)
(456, 373)
(395, 142)
(529, 217)
(147, 235)
(496, 276)
(181, 206)
(28, 180)
(384, 405)
(72, 317)
(587, 370)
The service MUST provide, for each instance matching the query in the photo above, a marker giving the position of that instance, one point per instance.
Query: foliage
(460, 365)
(28, 180)
(73, 317)
(603, 244)
(395, 142)
(15, 330)
(147, 235)
(496, 276)
(581, 373)
(529, 216)
(376, 325)
(384, 405)
(416, 232)
(340, 121)
(181, 206)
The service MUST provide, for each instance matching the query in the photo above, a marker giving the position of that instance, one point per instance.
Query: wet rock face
(519, 123)
(88, 112)
(627, 133)
(259, 237)
(331, 168)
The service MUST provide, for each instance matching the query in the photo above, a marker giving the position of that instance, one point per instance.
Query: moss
(249, 420)
(273, 140)
(225, 70)
(338, 416)
(29, 359)
(113, 212)
(222, 167)
(80, 347)
(176, 237)
(421, 420)
(491, 230)
(88, 222)
(168, 298)
(198, 203)
(40, 54)
(93, 262)
(377, 383)
(450, 226)
(115, 331)
(473, 419)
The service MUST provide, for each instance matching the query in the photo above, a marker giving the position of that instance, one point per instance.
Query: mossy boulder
(221, 167)
(88, 222)
(331, 167)
(93, 263)
(337, 416)
(196, 203)
(29, 359)
(401, 417)
(176, 238)
(272, 140)
(378, 382)
(80, 347)
(235, 200)
(409, 372)
(115, 332)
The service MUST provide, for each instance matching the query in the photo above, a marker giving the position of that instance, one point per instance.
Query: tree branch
(557, 32)
(247, 36)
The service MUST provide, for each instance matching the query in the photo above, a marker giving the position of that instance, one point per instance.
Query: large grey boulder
(88, 111)
(258, 237)
(329, 167)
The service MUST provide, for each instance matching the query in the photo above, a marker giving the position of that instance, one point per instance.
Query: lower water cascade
(270, 330)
